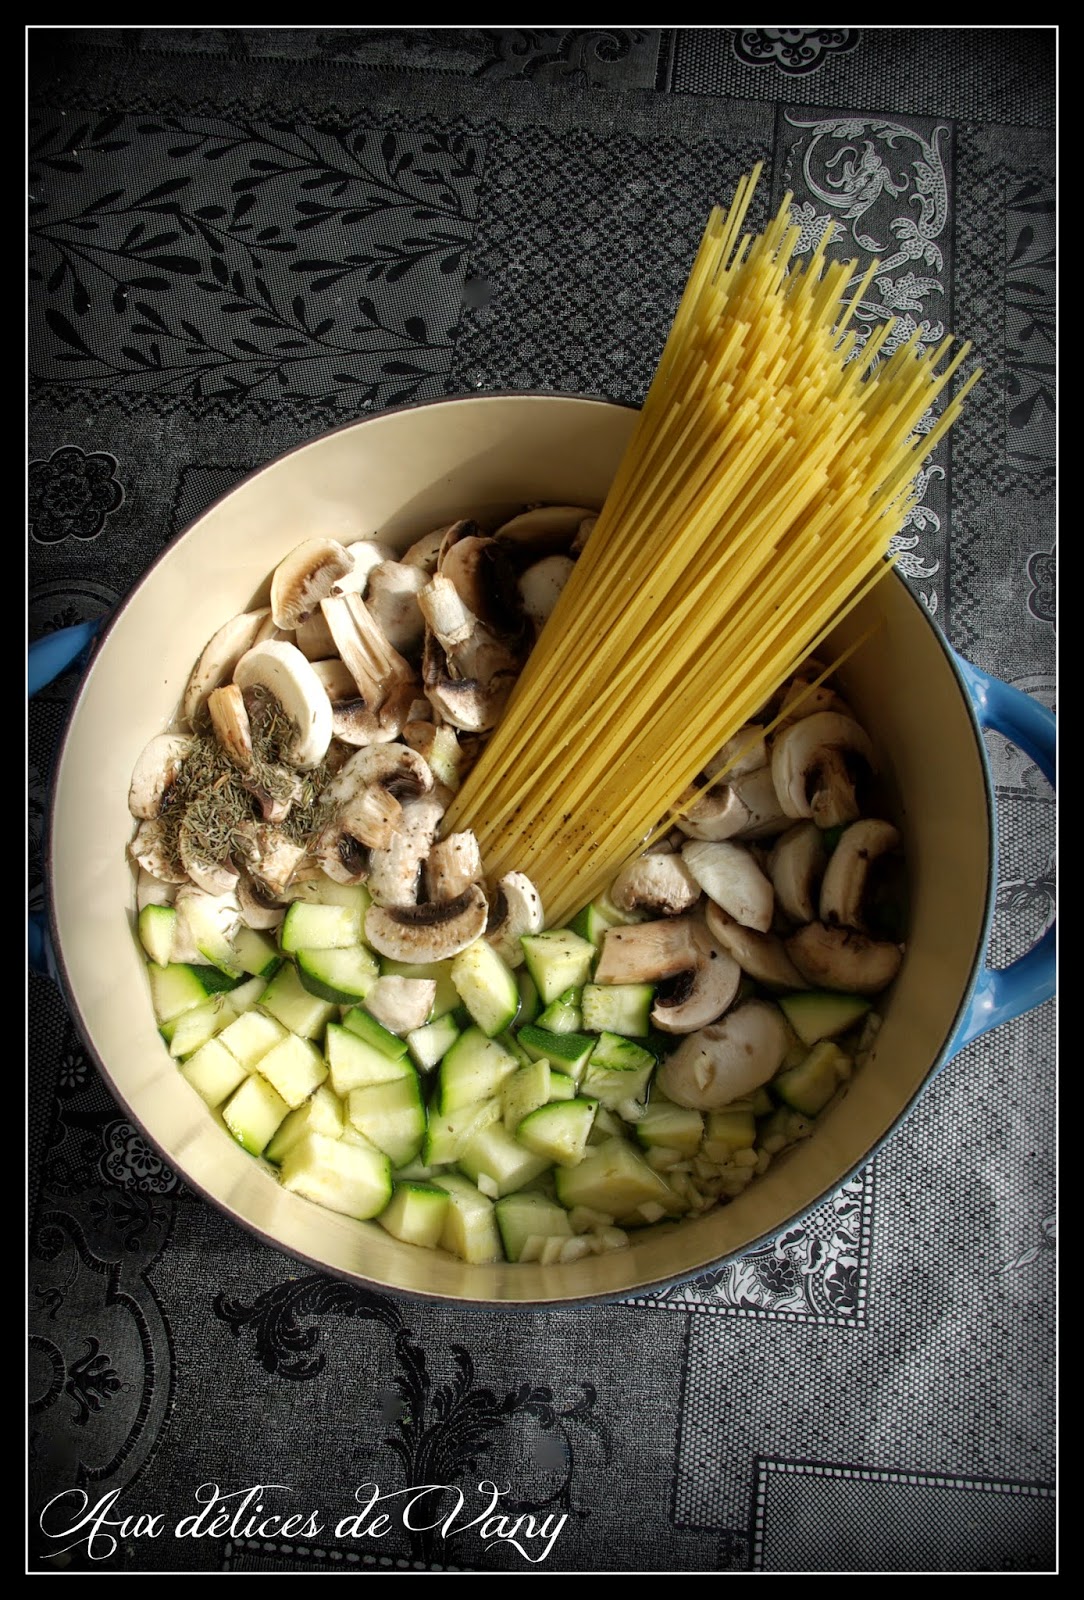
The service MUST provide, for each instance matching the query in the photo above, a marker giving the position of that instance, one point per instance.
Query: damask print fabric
(240, 237)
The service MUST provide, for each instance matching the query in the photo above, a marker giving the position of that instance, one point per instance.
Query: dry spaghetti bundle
(773, 460)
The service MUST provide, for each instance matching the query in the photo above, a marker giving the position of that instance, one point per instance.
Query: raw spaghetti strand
(773, 460)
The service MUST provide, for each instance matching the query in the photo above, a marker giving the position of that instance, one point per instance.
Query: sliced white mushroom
(745, 807)
(544, 530)
(400, 1004)
(728, 1059)
(395, 871)
(305, 577)
(152, 891)
(393, 767)
(220, 656)
(541, 585)
(283, 672)
(762, 956)
(801, 701)
(452, 865)
(468, 673)
(813, 766)
(433, 931)
(645, 952)
(365, 554)
(841, 959)
(692, 999)
(156, 771)
(351, 720)
(257, 910)
(480, 570)
(729, 875)
(659, 883)
(275, 791)
(425, 552)
(745, 751)
(796, 867)
(214, 877)
(270, 855)
(315, 640)
(154, 853)
(391, 596)
(515, 909)
(846, 878)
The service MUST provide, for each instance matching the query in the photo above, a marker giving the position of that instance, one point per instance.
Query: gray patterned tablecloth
(239, 237)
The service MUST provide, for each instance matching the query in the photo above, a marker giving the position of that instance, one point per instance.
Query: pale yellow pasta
(770, 466)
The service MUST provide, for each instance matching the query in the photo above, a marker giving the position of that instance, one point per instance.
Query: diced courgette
(416, 1213)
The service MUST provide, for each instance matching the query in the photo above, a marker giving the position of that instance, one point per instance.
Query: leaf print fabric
(210, 259)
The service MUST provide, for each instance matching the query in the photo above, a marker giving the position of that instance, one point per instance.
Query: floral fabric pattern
(793, 50)
(71, 494)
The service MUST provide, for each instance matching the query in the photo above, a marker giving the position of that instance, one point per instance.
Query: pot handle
(1003, 993)
(47, 658)
(56, 652)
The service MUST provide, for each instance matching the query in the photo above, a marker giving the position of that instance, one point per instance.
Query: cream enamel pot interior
(402, 473)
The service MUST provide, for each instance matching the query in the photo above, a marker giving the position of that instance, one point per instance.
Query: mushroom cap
(452, 865)
(256, 910)
(745, 751)
(156, 770)
(365, 555)
(645, 952)
(846, 877)
(392, 766)
(425, 552)
(727, 1059)
(515, 909)
(745, 807)
(483, 576)
(214, 877)
(729, 875)
(812, 763)
(796, 867)
(433, 931)
(659, 883)
(691, 1000)
(543, 530)
(283, 671)
(270, 856)
(400, 1004)
(841, 959)
(148, 849)
(392, 597)
(395, 869)
(471, 704)
(761, 956)
(540, 587)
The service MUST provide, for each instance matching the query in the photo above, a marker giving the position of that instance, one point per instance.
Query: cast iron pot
(402, 473)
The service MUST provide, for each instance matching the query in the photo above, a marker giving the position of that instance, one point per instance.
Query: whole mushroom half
(432, 931)
(727, 1059)
(691, 999)
(816, 765)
